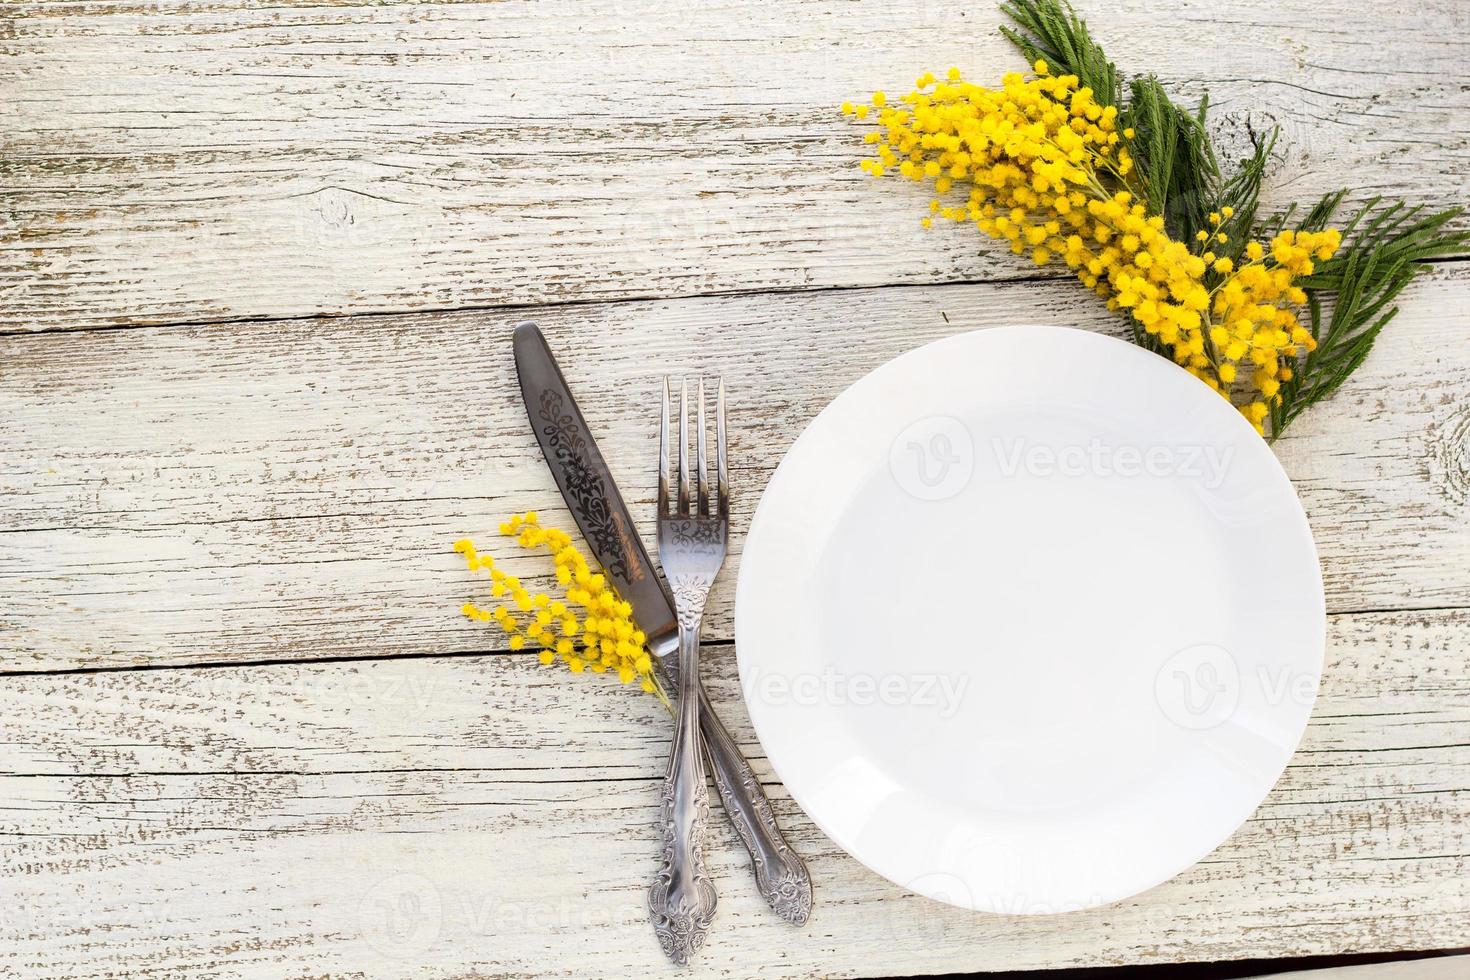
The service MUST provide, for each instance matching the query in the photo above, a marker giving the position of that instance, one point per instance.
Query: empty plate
(1029, 620)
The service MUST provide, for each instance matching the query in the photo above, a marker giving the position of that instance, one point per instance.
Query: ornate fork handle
(682, 897)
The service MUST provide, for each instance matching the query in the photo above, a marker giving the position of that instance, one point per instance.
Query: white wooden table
(258, 268)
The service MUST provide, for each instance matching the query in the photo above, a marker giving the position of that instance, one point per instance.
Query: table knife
(588, 488)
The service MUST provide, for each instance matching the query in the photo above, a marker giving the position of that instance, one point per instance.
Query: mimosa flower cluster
(1039, 163)
(591, 628)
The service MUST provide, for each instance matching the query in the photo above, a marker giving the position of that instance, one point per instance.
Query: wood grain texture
(488, 816)
(291, 490)
(244, 732)
(225, 159)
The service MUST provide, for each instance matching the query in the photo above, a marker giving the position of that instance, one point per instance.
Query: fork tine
(683, 507)
(663, 453)
(701, 477)
(721, 472)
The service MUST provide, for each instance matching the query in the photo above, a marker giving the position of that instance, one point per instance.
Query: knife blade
(588, 488)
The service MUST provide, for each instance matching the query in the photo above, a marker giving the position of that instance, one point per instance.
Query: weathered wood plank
(489, 816)
(220, 160)
(290, 490)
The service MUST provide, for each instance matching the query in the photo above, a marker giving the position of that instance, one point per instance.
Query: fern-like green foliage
(1172, 153)
(1384, 248)
(1349, 297)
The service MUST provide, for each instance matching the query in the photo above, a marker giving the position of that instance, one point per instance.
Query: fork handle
(780, 874)
(681, 900)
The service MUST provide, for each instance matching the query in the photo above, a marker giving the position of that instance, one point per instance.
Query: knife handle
(780, 874)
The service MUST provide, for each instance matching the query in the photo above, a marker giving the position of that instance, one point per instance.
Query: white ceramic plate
(1029, 620)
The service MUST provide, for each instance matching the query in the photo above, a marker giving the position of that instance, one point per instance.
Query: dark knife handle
(780, 874)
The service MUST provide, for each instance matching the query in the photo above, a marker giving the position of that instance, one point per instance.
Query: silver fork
(691, 548)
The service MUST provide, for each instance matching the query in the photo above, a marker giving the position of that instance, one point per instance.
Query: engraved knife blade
(587, 486)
